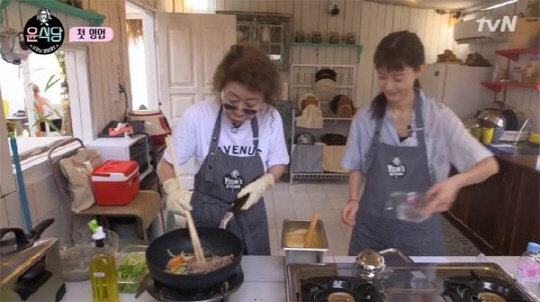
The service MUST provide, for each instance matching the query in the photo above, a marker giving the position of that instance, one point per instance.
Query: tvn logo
(502, 25)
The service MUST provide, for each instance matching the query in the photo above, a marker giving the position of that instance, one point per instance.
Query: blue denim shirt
(447, 140)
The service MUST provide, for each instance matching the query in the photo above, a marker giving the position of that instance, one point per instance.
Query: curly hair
(249, 66)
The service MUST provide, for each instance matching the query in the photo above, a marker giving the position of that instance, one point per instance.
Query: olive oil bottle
(103, 271)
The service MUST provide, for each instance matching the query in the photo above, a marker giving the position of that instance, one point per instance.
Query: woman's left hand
(256, 190)
(442, 195)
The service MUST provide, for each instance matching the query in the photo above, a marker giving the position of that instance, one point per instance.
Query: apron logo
(233, 181)
(396, 169)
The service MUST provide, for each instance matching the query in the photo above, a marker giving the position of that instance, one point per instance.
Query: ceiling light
(500, 4)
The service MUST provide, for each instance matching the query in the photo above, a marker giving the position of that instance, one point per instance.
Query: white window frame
(149, 41)
(79, 92)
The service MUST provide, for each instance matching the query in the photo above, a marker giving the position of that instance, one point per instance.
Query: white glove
(178, 198)
(256, 190)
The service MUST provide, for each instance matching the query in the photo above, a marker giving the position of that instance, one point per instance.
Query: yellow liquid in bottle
(103, 277)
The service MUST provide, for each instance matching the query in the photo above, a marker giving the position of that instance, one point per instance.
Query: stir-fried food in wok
(187, 264)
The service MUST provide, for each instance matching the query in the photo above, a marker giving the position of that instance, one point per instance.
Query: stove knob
(370, 261)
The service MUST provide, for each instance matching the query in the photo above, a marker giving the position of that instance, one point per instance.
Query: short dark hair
(246, 64)
(394, 52)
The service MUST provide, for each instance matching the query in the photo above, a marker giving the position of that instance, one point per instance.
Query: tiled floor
(328, 198)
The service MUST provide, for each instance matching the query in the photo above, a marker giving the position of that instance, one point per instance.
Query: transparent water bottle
(529, 264)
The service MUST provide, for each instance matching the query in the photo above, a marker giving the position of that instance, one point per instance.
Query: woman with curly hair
(238, 145)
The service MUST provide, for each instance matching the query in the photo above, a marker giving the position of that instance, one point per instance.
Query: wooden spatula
(195, 242)
(311, 230)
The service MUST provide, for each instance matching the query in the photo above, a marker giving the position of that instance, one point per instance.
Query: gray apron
(396, 168)
(217, 184)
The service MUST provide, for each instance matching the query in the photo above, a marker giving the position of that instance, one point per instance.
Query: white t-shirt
(192, 136)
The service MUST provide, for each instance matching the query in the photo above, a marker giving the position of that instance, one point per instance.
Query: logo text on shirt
(238, 150)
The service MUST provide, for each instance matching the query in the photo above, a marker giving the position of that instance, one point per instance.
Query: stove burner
(162, 292)
(338, 289)
(489, 297)
(486, 289)
(340, 297)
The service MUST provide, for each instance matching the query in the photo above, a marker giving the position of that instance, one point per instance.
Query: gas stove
(405, 282)
(221, 293)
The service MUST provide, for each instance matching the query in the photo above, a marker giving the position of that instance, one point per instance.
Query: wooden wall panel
(369, 21)
(108, 65)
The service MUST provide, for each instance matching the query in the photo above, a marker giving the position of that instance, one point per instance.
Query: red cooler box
(116, 182)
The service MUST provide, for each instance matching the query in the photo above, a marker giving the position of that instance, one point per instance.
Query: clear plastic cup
(409, 206)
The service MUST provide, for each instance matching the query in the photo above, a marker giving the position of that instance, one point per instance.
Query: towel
(311, 118)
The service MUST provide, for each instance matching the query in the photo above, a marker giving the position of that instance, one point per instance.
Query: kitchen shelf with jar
(514, 55)
(498, 86)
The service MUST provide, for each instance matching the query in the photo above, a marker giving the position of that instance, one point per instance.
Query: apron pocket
(207, 211)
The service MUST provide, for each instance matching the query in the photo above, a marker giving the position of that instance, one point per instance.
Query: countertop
(265, 278)
(526, 161)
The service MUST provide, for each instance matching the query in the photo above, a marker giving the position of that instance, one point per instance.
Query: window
(48, 96)
(35, 92)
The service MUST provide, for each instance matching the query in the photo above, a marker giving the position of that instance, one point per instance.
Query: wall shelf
(95, 19)
(498, 86)
(513, 54)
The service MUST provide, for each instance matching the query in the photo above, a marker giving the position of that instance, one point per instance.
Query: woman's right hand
(348, 214)
(178, 198)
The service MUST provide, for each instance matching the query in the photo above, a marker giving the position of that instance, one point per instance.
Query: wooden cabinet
(501, 214)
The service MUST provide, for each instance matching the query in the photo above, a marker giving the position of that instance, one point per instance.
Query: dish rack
(313, 153)
(302, 80)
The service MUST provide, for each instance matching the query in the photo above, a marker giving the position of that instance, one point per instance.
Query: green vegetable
(131, 271)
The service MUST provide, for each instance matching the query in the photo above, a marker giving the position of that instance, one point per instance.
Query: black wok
(217, 241)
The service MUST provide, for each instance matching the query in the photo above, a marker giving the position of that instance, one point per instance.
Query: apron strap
(209, 175)
(418, 129)
(374, 142)
(255, 130)
(419, 120)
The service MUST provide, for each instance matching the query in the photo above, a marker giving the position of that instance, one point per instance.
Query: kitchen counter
(525, 161)
(265, 278)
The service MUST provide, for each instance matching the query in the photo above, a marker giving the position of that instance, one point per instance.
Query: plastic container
(131, 268)
(76, 250)
(529, 264)
(116, 182)
(407, 206)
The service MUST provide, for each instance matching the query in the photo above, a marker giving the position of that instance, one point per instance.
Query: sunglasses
(245, 110)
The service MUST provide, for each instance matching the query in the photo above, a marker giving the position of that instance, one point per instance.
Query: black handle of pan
(238, 204)
(36, 232)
